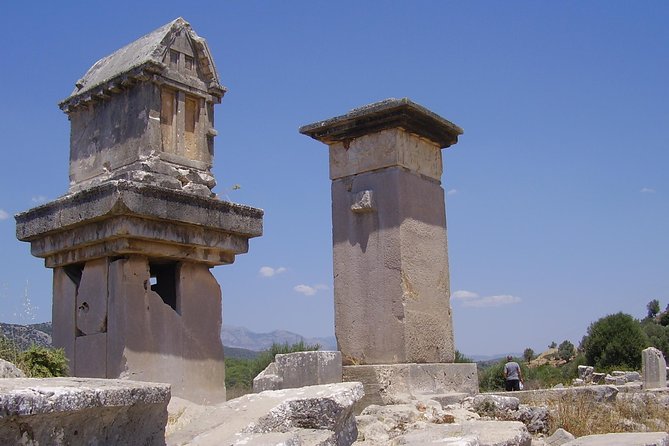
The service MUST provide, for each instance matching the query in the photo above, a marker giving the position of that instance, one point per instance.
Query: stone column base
(397, 383)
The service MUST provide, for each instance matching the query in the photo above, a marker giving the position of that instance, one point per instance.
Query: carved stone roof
(383, 115)
(138, 59)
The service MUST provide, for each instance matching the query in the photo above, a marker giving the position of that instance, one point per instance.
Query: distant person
(512, 374)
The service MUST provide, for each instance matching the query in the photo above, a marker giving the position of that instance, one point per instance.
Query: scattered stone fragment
(559, 438)
(9, 370)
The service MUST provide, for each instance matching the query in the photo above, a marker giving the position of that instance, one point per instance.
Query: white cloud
(492, 301)
(4, 215)
(647, 190)
(309, 290)
(452, 192)
(39, 199)
(268, 271)
(464, 295)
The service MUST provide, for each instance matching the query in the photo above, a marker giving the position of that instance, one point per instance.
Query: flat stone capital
(387, 114)
(124, 217)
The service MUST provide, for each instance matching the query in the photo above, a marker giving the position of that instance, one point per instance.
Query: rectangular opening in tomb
(164, 282)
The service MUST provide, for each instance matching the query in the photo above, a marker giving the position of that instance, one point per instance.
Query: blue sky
(557, 193)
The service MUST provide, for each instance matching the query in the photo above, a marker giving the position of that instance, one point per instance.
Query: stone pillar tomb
(132, 243)
(391, 278)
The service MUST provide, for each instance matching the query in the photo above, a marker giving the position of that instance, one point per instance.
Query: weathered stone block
(399, 383)
(300, 369)
(311, 415)
(64, 411)
(653, 368)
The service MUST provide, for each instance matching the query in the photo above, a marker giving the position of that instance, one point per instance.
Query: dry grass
(580, 415)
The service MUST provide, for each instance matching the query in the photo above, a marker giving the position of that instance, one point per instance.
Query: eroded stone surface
(310, 415)
(402, 383)
(622, 439)
(63, 411)
(300, 369)
(487, 433)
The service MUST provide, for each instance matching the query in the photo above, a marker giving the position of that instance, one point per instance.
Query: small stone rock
(9, 370)
(559, 438)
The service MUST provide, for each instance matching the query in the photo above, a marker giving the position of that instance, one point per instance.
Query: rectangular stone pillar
(391, 280)
(653, 369)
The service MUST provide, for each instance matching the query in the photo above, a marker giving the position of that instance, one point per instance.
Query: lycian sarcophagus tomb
(132, 243)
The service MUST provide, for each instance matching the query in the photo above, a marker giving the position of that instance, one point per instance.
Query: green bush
(614, 341)
(42, 362)
(528, 354)
(9, 351)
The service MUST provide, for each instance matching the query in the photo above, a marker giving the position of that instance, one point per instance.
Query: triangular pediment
(150, 52)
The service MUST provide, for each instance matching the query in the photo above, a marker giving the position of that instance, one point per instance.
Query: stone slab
(389, 113)
(122, 217)
(63, 411)
(622, 439)
(310, 415)
(481, 433)
(300, 369)
(598, 393)
(398, 383)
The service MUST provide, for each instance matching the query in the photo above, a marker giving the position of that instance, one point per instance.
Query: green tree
(653, 308)
(614, 341)
(528, 354)
(566, 350)
(553, 345)
(459, 357)
(664, 318)
(658, 335)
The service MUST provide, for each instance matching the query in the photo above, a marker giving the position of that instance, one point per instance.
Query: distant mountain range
(234, 338)
(239, 342)
(26, 335)
(241, 337)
